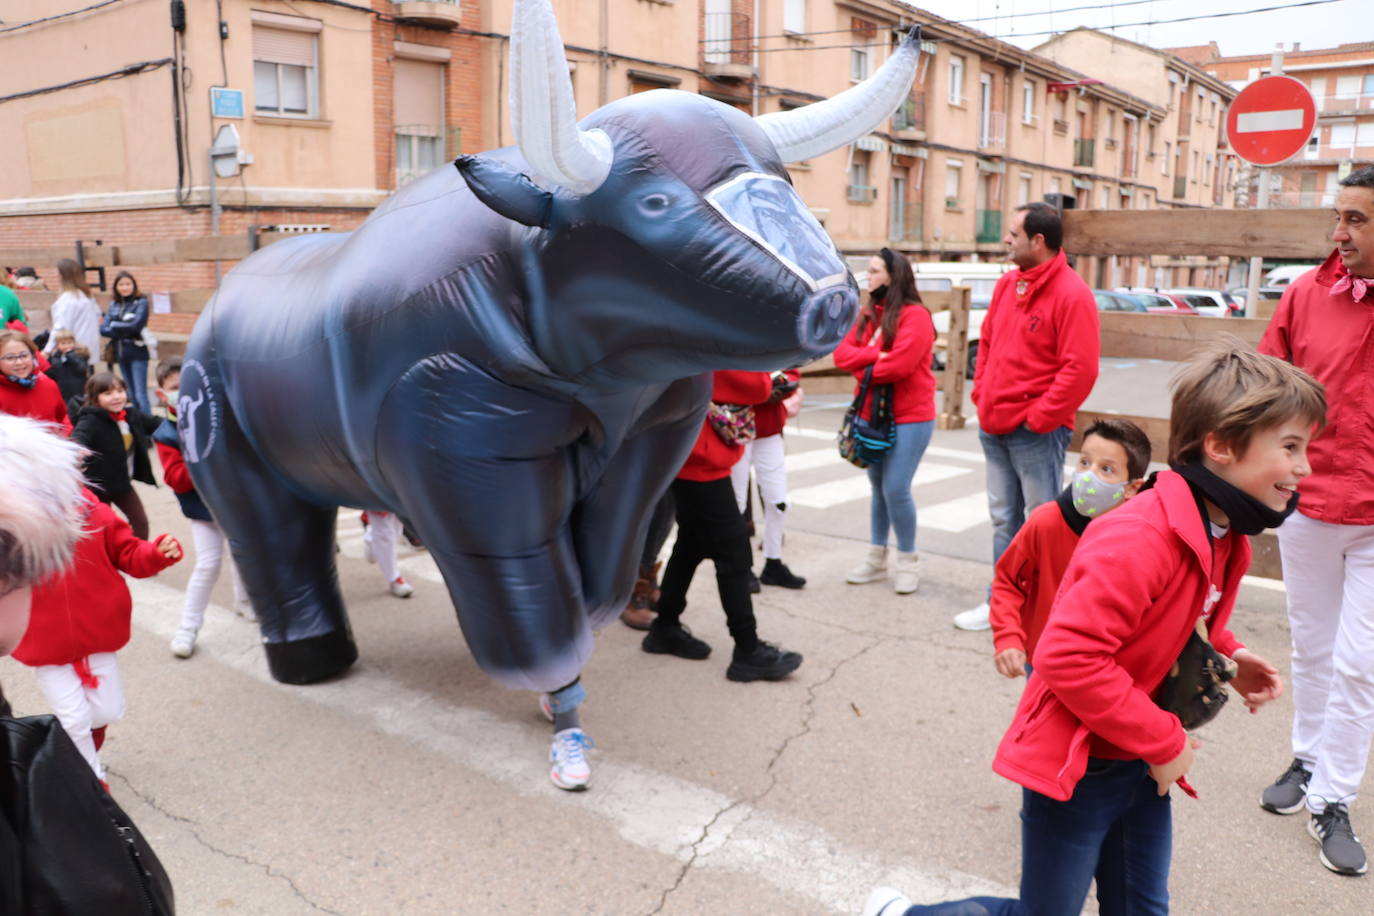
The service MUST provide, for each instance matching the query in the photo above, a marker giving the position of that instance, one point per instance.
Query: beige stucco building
(343, 102)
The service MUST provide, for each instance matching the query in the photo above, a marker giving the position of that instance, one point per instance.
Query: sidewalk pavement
(414, 785)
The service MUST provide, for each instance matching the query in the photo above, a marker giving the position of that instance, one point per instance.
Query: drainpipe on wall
(757, 28)
(604, 42)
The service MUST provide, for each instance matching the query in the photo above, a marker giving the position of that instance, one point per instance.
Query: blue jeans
(135, 372)
(1117, 828)
(1025, 469)
(892, 505)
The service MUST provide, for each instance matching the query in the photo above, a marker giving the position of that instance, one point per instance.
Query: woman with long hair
(75, 309)
(894, 335)
(123, 324)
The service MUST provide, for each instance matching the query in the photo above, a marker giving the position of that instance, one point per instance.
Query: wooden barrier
(142, 254)
(1297, 234)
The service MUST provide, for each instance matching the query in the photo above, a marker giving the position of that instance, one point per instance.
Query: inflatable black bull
(518, 370)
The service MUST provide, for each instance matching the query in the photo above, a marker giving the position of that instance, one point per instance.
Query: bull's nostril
(836, 306)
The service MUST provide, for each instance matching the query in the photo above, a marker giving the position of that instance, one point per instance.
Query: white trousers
(1329, 573)
(767, 458)
(80, 708)
(380, 535)
(210, 544)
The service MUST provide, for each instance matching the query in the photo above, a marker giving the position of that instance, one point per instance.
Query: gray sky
(1321, 26)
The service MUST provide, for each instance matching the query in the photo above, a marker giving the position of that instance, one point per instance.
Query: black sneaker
(754, 587)
(675, 640)
(1341, 849)
(1288, 794)
(775, 572)
(765, 662)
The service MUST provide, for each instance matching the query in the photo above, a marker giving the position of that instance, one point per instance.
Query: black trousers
(709, 526)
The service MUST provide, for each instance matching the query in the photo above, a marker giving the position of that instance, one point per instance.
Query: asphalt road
(414, 785)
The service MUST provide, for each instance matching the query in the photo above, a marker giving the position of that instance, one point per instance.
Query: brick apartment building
(1341, 80)
(344, 102)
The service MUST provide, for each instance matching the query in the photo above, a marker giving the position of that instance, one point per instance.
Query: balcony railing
(1084, 152)
(1180, 187)
(727, 43)
(994, 131)
(989, 226)
(912, 114)
(1345, 101)
(862, 193)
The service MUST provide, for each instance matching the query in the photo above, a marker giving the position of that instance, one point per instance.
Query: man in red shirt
(1323, 325)
(1037, 362)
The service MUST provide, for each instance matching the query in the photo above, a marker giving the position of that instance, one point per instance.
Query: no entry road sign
(1270, 120)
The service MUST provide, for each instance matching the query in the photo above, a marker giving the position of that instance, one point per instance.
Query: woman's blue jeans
(1116, 828)
(893, 505)
(135, 372)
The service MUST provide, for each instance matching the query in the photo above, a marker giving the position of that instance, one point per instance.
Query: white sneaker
(568, 762)
(975, 618)
(872, 569)
(184, 643)
(908, 573)
(401, 588)
(884, 901)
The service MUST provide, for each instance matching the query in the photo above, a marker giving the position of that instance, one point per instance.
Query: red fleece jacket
(1139, 581)
(87, 608)
(1027, 578)
(770, 416)
(906, 366)
(711, 457)
(1038, 351)
(41, 402)
(1331, 337)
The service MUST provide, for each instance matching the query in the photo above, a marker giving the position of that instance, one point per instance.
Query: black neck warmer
(877, 294)
(1077, 521)
(1247, 514)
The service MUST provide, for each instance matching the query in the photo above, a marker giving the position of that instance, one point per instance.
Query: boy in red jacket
(709, 525)
(1111, 468)
(80, 618)
(1093, 751)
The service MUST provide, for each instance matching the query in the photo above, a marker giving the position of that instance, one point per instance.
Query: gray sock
(569, 719)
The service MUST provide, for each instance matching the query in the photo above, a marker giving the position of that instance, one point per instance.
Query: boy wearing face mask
(1111, 468)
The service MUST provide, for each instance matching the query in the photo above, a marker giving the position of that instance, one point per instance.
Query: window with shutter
(285, 71)
(419, 117)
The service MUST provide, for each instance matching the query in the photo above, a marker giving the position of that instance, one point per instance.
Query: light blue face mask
(1092, 495)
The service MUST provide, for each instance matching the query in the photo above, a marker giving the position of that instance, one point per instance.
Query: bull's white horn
(823, 126)
(543, 113)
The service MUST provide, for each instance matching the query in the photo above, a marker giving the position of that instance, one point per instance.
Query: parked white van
(1282, 276)
(980, 278)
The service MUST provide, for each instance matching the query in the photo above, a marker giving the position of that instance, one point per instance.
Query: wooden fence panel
(1136, 335)
(1299, 234)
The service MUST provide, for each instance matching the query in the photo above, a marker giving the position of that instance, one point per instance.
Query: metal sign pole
(1257, 263)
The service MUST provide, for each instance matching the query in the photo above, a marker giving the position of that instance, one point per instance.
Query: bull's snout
(825, 317)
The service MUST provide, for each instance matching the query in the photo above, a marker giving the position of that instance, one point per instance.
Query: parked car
(1210, 302)
(1111, 301)
(1282, 276)
(1241, 293)
(1153, 299)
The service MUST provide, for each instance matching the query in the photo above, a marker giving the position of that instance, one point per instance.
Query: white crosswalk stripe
(855, 486)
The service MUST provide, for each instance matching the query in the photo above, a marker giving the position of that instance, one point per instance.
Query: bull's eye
(655, 204)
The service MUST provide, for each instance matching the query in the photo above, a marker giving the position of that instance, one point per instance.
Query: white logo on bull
(194, 423)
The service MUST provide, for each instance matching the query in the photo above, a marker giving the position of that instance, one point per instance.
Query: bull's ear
(506, 191)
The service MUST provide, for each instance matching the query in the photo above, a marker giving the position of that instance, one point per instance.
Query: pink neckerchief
(1028, 281)
(1345, 281)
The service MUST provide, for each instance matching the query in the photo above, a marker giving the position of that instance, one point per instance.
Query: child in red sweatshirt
(1111, 468)
(80, 618)
(710, 526)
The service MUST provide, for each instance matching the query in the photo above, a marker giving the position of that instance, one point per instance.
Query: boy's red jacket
(1329, 337)
(1027, 578)
(1038, 358)
(711, 457)
(86, 608)
(41, 402)
(906, 366)
(1134, 590)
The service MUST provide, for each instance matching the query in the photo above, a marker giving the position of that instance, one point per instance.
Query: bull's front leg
(496, 524)
(612, 520)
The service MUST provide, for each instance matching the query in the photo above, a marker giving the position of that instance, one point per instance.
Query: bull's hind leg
(283, 545)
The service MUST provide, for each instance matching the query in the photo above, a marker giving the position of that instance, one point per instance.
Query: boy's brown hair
(100, 383)
(1232, 392)
(166, 368)
(62, 334)
(1130, 437)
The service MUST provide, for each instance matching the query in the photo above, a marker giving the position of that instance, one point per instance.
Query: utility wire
(130, 70)
(24, 25)
(1096, 6)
